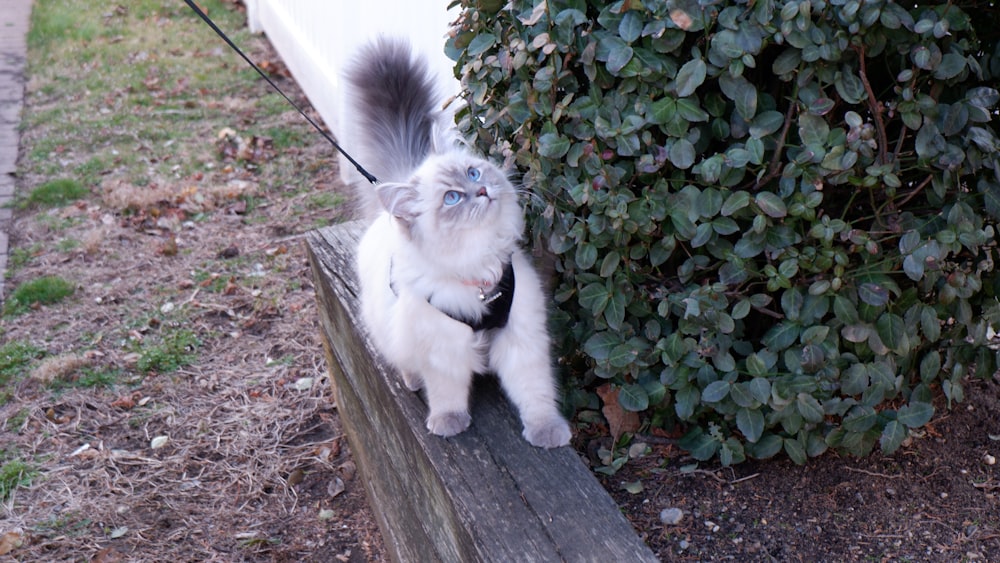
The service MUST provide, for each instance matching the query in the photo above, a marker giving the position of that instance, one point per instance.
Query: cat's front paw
(412, 381)
(449, 423)
(553, 432)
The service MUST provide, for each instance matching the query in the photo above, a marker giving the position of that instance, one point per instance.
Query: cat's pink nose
(482, 192)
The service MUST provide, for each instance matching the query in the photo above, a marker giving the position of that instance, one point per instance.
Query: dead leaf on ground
(10, 541)
(619, 419)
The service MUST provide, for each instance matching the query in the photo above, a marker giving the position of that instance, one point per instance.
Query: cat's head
(453, 199)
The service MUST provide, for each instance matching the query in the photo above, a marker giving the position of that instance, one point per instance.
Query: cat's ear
(400, 200)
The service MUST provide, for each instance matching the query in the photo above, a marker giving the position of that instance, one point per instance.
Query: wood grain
(484, 495)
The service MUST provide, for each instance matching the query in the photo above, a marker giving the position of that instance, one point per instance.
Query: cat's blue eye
(451, 197)
(473, 173)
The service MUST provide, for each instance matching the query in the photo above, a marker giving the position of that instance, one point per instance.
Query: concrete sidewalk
(14, 16)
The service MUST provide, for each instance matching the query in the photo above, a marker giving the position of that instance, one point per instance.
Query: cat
(446, 290)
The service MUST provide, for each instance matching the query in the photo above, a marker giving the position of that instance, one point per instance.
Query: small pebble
(671, 516)
(989, 460)
(684, 544)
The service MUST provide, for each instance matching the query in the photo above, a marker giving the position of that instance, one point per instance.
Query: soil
(238, 455)
(935, 499)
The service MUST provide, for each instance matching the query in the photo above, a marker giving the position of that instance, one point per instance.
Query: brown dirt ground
(256, 467)
(935, 499)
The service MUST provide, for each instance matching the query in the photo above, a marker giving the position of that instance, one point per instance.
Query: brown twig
(914, 192)
(873, 105)
(775, 168)
(873, 474)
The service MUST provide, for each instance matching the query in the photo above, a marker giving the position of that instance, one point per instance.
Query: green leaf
(552, 145)
(630, 27)
(690, 77)
(983, 97)
(892, 330)
(929, 323)
(952, 64)
(690, 111)
(845, 311)
(893, 436)
(700, 445)
(600, 344)
(930, 366)
(661, 111)
(610, 263)
(809, 408)
(766, 447)
(813, 129)
(760, 388)
(480, 44)
(765, 123)
(594, 297)
(614, 313)
(795, 451)
(619, 53)
(860, 419)
(781, 336)
(715, 391)
(741, 92)
(633, 397)
(682, 154)
(751, 423)
(742, 396)
(586, 255)
(788, 61)
(873, 294)
(735, 202)
(771, 204)
(915, 415)
(685, 400)
(854, 380)
(849, 86)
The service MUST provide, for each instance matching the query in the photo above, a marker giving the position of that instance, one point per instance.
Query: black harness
(498, 302)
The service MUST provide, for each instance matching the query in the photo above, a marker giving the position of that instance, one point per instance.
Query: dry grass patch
(177, 407)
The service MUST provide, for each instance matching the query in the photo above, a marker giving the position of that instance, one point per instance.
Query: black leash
(368, 175)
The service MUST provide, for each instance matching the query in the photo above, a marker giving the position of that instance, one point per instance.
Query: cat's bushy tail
(392, 113)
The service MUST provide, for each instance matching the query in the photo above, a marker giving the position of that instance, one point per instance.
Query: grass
(20, 257)
(13, 474)
(14, 358)
(176, 350)
(55, 193)
(14, 423)
(45, 290)
(131, 104)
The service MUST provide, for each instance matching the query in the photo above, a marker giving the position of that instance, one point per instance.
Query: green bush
(773, 223)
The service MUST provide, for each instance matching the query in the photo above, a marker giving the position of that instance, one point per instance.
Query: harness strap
(361, 169)
(498, 303)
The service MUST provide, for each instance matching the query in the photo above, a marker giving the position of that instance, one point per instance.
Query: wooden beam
(483, 495)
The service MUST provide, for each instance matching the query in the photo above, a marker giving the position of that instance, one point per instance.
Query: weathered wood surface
(484, 495)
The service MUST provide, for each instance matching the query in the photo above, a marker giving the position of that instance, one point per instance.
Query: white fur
(420, 257)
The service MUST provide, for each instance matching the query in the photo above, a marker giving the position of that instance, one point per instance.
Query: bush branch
(873, 105)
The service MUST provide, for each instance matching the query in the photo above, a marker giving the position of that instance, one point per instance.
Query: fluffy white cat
(446, 291)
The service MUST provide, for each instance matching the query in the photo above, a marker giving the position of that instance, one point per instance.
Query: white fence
(315, 38)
